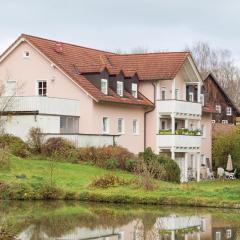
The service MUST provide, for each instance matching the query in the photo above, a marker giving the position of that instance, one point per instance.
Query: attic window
(120, 88)
(104, 86)
(134, 90)
(26, 54)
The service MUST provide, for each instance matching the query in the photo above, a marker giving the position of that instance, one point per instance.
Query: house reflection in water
(172, 227)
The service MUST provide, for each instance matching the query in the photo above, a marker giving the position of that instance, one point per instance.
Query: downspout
(145, 116)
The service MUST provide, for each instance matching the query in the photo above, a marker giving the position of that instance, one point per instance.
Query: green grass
(77, 178)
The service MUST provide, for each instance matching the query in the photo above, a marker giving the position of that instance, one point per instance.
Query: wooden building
(226, 111)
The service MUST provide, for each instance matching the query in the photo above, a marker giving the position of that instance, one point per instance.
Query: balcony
(179, 107)
(41, 105)
(180, 143)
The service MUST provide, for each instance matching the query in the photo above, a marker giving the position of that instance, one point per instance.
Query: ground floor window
(69, 124)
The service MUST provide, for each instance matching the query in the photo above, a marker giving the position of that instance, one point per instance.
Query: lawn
(77, 178)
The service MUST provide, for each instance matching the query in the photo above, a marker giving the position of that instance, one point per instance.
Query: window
(176, 94)
(120, 125)
(224, 121)
(135, 127)
(11, 88)
(163, 93)
(105, 125)
(134, 90)
(218, 235)
(229, 111)
(218, 108)
(104, 86)
(203, 131)
(229, 233)
(42, 88)
(163, 123)
(213, 121)
(26, 54)
(69, 124)
(191, 98)
(120, 88)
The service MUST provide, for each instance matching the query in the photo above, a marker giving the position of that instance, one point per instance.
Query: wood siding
(214, 95)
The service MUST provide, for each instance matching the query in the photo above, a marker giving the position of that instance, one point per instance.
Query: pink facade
(172, 110)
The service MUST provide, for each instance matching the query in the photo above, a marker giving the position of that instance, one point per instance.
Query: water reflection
(78, 221)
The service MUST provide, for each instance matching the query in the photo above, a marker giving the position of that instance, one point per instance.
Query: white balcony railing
(178, 106)
(179, 142)
(42, 105)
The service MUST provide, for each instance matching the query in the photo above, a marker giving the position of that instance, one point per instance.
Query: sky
(164, 25)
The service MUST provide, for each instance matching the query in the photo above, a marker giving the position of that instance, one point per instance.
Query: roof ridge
(72, 44)
(151, 53)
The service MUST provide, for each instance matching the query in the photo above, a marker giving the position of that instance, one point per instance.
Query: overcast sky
(125, 24)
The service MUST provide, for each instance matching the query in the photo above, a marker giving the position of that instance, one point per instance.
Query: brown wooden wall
(213, 95)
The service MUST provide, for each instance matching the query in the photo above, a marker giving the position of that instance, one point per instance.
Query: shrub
(59, 148)
(35, 140)
(15, 145)
(112, 163)
(6, 234)
(105, 156)
(49, 192)
(4, 159)
(160, 166)
(105, 181)
(130, 165)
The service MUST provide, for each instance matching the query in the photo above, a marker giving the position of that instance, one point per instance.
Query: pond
(78, 221)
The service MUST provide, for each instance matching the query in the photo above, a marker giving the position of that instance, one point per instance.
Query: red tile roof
(75, 61)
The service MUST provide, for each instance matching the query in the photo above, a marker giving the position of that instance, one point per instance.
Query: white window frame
(5, 91)
(218, 108)
(37, 88)
(104, 90)
(120, 88)
(218, 235)
(202, 99)
(191, 97)
(177, 94)
(135, 129)
(25, 54)
(224, 121)
(105, 130)
(213, 121)
(229, 111)
(163, 89)
(134, 90)
(229, 233)
(122, 125)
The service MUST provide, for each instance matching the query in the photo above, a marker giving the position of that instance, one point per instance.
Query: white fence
(87, 140)
(43, 105)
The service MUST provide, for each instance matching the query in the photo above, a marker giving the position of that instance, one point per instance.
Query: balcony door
(69, 124)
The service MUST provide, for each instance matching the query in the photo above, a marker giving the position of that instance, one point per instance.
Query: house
(96, 98)
(226, 111)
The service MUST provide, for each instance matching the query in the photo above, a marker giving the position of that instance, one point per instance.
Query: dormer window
(104, 86)
(134, 90)
(120, 88)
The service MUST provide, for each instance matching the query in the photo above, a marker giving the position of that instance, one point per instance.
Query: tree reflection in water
(75, 220)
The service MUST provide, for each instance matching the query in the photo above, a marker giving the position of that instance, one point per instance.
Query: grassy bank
(74, 181)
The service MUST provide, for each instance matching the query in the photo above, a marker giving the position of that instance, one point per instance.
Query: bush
(160, 166)
(130, 165)
(35, 140)
(224, 144)
(4, 159)
(15, 145)
(105, 157)
(112, 163)
(60, 149)
(108, 180)
(49, 192)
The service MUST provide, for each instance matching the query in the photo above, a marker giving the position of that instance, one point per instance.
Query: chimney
(58, 47)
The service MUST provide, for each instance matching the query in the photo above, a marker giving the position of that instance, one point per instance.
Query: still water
(78, 221)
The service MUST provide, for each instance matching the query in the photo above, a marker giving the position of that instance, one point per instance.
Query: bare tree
(221, 63)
